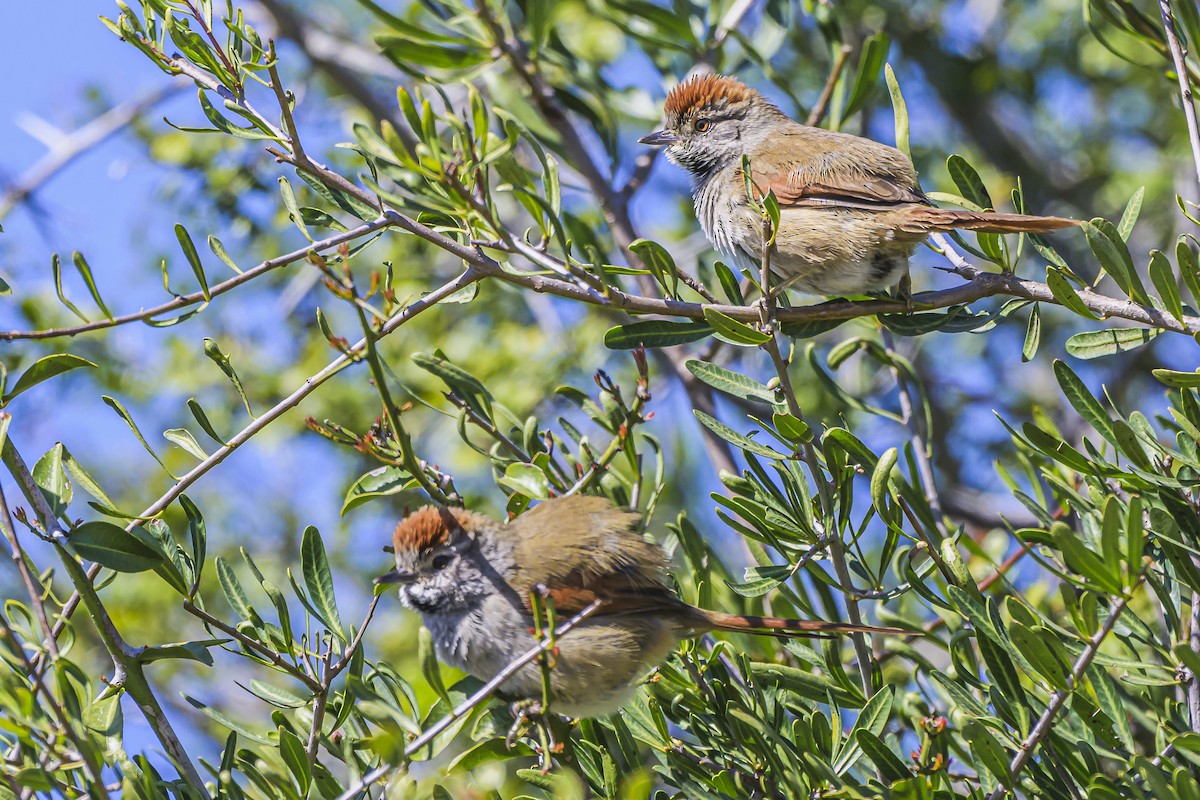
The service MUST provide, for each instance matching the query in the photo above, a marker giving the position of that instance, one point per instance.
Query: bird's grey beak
(659, 137)
(395, 576)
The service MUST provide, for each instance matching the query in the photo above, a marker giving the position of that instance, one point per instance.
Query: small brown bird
(852, 212)
(470, 578)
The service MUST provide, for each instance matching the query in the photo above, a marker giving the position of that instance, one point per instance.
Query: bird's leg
(904, 292)
(529, 714)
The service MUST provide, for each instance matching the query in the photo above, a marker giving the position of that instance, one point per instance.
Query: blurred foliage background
(1018, 557)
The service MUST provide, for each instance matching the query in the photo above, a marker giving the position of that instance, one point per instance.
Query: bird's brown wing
(813, 167)
(583, 548)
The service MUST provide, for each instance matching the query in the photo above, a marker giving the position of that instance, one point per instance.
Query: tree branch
(1185, 85)
(1042, 727)
(183, 301)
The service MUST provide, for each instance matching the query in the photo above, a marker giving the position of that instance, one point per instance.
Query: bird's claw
(904, 293)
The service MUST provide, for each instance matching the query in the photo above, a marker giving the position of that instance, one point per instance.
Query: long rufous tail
(780, 626)
(928, 219)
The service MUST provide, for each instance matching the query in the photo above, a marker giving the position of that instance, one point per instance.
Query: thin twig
(285, 108)
(920, 448)
(730, 22)
(468, 277)
(1185, 86)
(183, 301)
(822, 107)
(1044, 723)
(266, 653)
(471, 702)
(1193, 685)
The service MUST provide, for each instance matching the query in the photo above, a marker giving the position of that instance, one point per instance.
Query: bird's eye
(442, 561)
(702, 125)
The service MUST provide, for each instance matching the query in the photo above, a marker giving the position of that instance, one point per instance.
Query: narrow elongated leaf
(1109, 249)
(1065, 293)
(1130, 216)
(85, 272)
(1095, 344)
(1169, 377)
(318, 580)
(1165, 283)
(899, 111)
(218, 357)
(235, 595)
(655, 333)
(56, 273)
(118, 407)
(1033, 334)
(1189, 269)
(184, 439)
(729, 382)
(728, 329)
(866, 78)
(890, 765)
(989, 751)
(193, 258)
(110, 546)
(1082, 400)
(44, 369)
(733, 437)
(659, 262)
(969, 184)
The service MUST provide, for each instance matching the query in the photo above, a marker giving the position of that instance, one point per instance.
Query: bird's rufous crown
(427, 528)
(707, 92)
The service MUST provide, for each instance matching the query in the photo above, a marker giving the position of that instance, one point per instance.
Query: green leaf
(899, 112)
(890, 765)
(56, 272)
(736, 439)
(1033, 334)
(659, 262)
(989, 751)
(48, 474)
(729, 382)
(184, 439)
(235, 595)
(1095, 344)
(85, 272)
(44, 369)
(193, 258)
(870, 62)
(1165, 283)
(291, 749)
(1132, 210)
(218, 249)
(1109, 249)
(1040, 655)
(1065, 293)
(969, 184)
(379, 482)
(118, 407)
(218, 357)
(654, 333)
(1082, 400)
(1189, 269)
(729, 330)
(188, 651)
(761, 580)
(110, 546)
(461, 382)
(317, 578)
(202, 420)
(1169, 377)
(526, 480)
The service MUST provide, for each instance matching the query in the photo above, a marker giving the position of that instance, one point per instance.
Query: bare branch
(1185, 85)
(183, 301)
(1042, 727)
(822, 107)
(68, 147)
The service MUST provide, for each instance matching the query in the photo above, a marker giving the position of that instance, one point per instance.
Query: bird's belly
(818, 250)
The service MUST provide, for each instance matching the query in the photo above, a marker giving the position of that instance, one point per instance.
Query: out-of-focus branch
(128, 670)
(66, 147)
(183, 301)
(822, 107)
(1185, 84)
